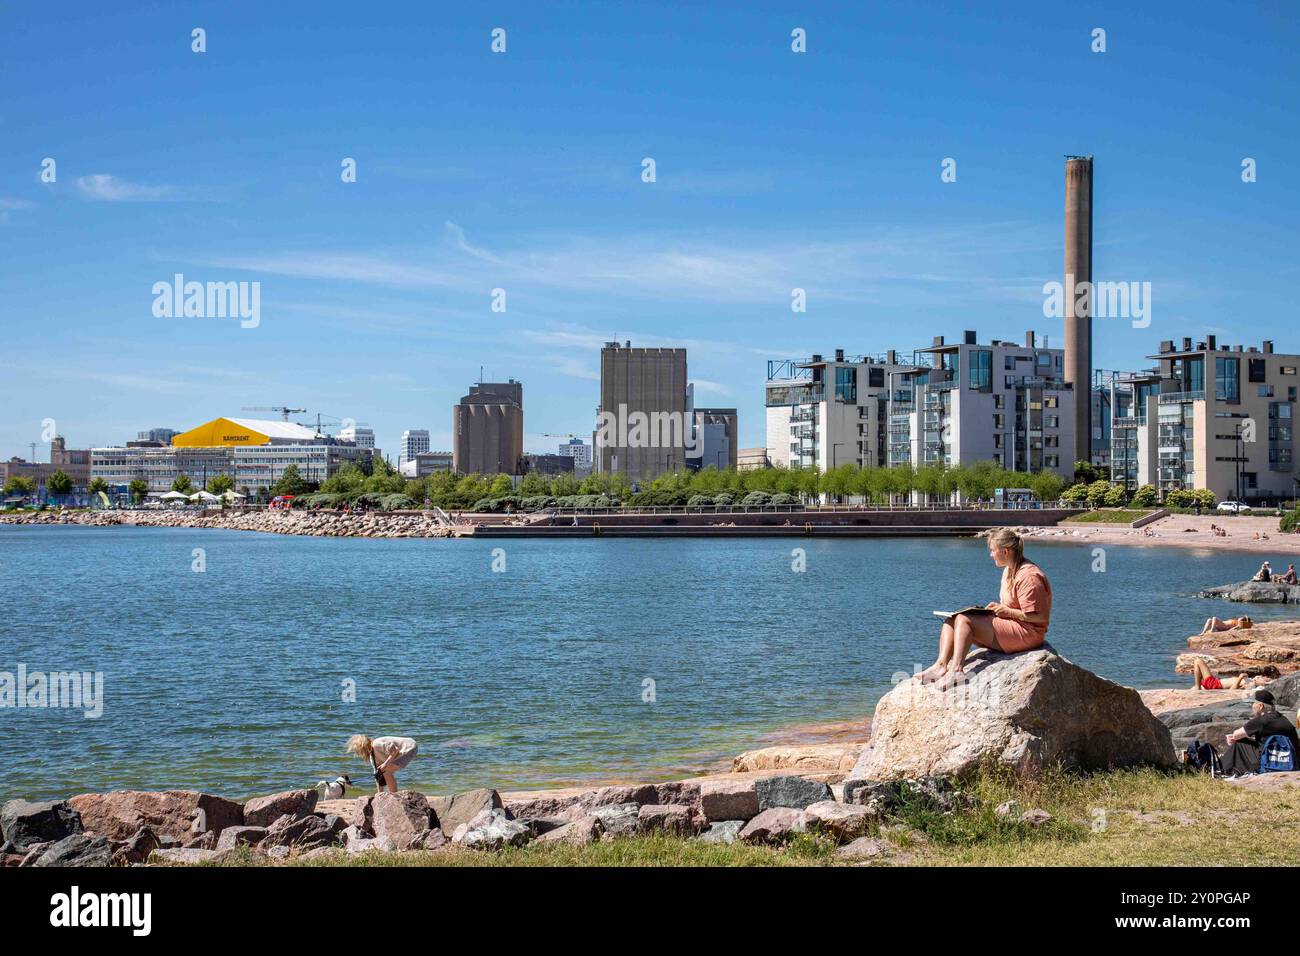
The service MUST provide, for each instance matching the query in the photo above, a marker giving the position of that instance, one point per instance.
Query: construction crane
(284, 411)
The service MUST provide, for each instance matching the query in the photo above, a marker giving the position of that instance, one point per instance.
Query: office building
(414, 442)
(254, 452)
(580, 452)
(361, 437)
(487, 428)
(643, 424)
(715, 439)
(425, 464)
(549, 466)
(752, 459)
(160, 436)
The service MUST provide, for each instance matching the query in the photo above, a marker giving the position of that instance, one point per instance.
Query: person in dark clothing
(1244, 743)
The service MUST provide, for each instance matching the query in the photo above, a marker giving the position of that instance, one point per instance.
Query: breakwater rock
(1256, 592)
(370, 524)
(1026, 711)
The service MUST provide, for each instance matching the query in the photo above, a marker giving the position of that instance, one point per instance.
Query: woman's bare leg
(1200, 671)
(390, 778)
(936, 670)
(1237, 683)
(1209, 625)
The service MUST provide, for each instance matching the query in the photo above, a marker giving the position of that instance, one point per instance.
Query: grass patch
(1125, 818)
(1109, 516)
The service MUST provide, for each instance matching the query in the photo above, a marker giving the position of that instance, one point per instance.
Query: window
(846, 384)
(999, 421)
(875, 378)
(1045, 359)
(1255, 369)
(1227, 379)
(1288, 369)
(980, 373)
(1051, 421)
(1266, 391)
(999, 401)
(1052, 401)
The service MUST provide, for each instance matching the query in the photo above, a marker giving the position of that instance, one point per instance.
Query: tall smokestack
(1078, 268)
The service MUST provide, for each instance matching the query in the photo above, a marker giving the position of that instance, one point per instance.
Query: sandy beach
(1186, 531)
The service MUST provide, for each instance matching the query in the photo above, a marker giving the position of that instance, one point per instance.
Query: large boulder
(305, 833)
(79, 849)
(400, 817)
(25, 822)
(263, 811)
(789, 791)
(723, 798)
(172, 814)
(492, 830)
(667, 818)
(774, 826)
(1027, 711)
(1256, 592)
(450, 812)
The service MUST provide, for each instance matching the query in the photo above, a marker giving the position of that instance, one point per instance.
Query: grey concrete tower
(1078, 268)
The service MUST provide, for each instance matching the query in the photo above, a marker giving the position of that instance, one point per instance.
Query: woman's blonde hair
(1006, 538)
(359, 744)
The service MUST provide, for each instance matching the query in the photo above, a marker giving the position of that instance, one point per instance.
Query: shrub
(699, 501)
(1145, 497)
(1116, 497)
(396, 502)
(756, 499)
(1097, 492)
(1289, 521)
(784, 499)
(1075, 494)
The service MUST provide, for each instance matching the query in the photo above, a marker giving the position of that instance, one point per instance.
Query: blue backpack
(1276, 754)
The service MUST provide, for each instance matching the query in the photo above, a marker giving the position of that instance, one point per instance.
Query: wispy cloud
(722, 269)
(103, 187)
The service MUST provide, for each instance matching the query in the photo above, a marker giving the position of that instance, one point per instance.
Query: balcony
(1173, 398)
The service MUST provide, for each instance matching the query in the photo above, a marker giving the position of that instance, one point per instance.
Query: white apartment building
(415, 441)
(1208, 416)
(964, 402)
(361, 437)
(823, 413)
(580, 452)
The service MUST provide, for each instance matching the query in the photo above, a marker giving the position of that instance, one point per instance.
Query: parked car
(1235, 507)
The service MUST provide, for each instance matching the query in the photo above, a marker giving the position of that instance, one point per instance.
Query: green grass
(1126, 818)
(1109, 516)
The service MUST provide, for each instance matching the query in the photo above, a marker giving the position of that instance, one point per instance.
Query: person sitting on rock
(1016, 622)
(1215, 624)
(386, 754)
(1245, 742)
(1204, 679)
(1265, 573)
(1290, 577)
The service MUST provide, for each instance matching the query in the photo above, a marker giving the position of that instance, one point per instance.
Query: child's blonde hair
(359, 744)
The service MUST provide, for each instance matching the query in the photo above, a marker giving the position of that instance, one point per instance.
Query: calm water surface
(232, 680)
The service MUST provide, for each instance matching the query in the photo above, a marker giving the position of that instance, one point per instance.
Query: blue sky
(522, 171)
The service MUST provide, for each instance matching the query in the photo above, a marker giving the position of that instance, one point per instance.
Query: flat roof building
(487, 428)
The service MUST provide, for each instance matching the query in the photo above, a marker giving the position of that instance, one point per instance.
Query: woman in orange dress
(1016, 622)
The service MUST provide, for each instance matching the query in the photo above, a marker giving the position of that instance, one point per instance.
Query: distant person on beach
(387, 754)
(1215, 624)
(1204, 678)
(1246, 741)
(1290, 577)
(1016, 622)
(1265, 573)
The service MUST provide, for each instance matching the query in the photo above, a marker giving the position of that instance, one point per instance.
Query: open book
(973, 609)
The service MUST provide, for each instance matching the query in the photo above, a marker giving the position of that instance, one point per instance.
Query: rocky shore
(1267, 649)
(1256, 592)
(372, 524)
(1029, 712)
